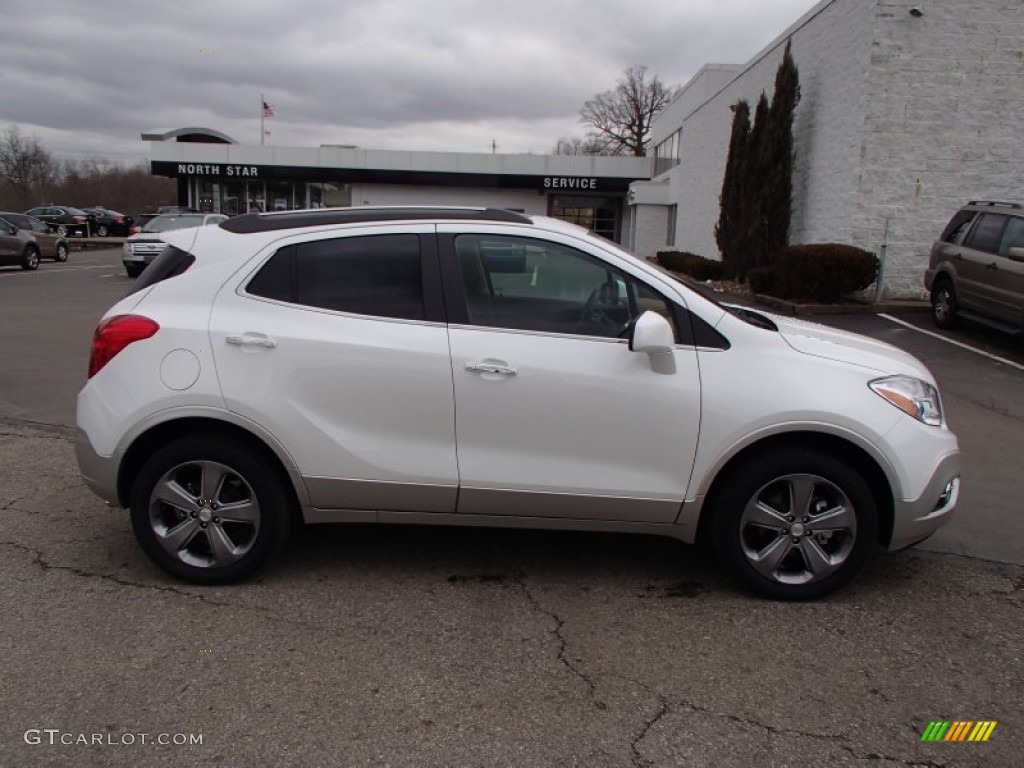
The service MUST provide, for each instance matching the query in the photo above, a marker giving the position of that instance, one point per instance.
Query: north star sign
(200, 169)
(569, 182)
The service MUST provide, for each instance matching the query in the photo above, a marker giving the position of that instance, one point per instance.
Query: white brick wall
(901, 119)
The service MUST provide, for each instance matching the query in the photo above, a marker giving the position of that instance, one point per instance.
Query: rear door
(337, 345)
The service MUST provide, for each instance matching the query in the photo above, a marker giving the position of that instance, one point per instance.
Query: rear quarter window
(170, 263)
(957, 226)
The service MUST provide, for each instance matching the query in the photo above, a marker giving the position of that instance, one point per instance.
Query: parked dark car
(64, 219)
(107, 222)
(50, 244)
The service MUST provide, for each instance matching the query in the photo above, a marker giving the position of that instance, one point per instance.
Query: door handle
(251, 341)
(502, 370)
(991, 266)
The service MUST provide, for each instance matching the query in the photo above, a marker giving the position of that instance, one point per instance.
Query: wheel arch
(834, 445)
(158, 435)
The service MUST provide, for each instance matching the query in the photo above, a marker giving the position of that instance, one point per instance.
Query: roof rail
(269, 222)
(997, 203)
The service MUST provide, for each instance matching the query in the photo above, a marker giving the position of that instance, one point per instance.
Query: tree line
(30, 176)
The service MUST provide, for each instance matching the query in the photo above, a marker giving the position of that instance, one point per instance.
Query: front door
(555, 416)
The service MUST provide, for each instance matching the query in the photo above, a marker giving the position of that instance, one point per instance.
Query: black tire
(744, 513)
(944, 305)
(213, 549)
(30, 258)
(61, 254)
(134, 270)
(101, 230)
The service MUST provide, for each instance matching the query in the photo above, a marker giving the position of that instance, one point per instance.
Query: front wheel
(210, 510)
(30, 259)
(61, 254)
(794, 524)
(133, 269)
(102, 231)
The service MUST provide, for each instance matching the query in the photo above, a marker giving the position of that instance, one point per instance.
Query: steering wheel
(594, 315)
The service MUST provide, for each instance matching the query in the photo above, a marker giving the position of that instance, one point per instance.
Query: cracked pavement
(442, 647)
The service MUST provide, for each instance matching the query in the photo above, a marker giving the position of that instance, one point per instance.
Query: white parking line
(960, 344)
(58, 271)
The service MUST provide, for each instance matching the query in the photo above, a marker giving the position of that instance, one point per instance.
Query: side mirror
(652, 334)
(1015, 254)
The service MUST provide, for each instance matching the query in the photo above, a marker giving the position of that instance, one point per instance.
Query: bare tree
(25, 168)
(580, 145)
(621, 118)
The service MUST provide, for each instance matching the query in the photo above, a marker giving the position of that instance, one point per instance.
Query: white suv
(481, 367)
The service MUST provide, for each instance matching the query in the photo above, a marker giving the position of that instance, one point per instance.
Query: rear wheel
(61, 254)
(30, 258)
(134, 270)
(101, 230)
(210, 510)
(794, 524)
(944, 304)
(62, 230)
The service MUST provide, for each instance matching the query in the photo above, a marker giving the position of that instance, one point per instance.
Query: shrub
(819, 271)
(691, 264)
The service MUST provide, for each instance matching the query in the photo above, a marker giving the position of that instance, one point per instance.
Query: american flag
(268, 109)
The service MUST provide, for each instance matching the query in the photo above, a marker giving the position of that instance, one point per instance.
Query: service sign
(569, 182)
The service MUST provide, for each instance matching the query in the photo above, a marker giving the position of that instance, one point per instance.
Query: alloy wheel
(205, 514)
(798, 529)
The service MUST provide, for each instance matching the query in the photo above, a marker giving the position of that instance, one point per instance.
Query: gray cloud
(88, 78)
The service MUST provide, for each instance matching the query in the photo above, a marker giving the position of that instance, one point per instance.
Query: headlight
(912, 396)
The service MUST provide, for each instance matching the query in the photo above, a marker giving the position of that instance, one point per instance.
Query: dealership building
(908, 109)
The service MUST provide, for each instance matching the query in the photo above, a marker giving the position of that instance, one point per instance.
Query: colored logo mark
(958, 730)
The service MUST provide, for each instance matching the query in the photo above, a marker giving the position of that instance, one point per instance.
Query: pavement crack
(638, 759)
(520, 580)
(38, 558)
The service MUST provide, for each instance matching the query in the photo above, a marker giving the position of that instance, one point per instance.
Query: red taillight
(78, 219)
(114, 334)
(118, 219)
(133, 231)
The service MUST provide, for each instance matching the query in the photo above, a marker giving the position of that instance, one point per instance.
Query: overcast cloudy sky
(88, 77)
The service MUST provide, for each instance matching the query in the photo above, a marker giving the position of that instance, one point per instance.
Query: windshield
(169, 222)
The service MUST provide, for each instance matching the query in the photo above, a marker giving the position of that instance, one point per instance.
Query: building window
(666, 153)
(670, 229)
(600, 215)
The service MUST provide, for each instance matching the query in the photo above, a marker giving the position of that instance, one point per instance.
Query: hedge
(820, 271)
(691, 264)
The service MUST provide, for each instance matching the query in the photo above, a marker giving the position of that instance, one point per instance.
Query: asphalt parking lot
(459, 647)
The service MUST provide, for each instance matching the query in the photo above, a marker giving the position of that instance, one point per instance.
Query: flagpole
(262, 117)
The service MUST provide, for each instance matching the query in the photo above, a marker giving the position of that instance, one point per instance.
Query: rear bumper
(98, 472)
(917, 519)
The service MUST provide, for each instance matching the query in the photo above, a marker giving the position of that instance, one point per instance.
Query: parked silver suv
(976, 269)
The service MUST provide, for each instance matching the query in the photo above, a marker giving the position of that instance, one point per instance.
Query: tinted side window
(275, 280)
(1013, 237)
(380, 275)
(957, 226)
(986, 233)
(535, 285)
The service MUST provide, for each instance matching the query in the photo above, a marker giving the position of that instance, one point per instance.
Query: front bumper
(916, 519)
(98, 472)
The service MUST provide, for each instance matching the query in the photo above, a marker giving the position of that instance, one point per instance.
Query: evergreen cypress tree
(777, 181)
(749, 231)
(730, 201)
